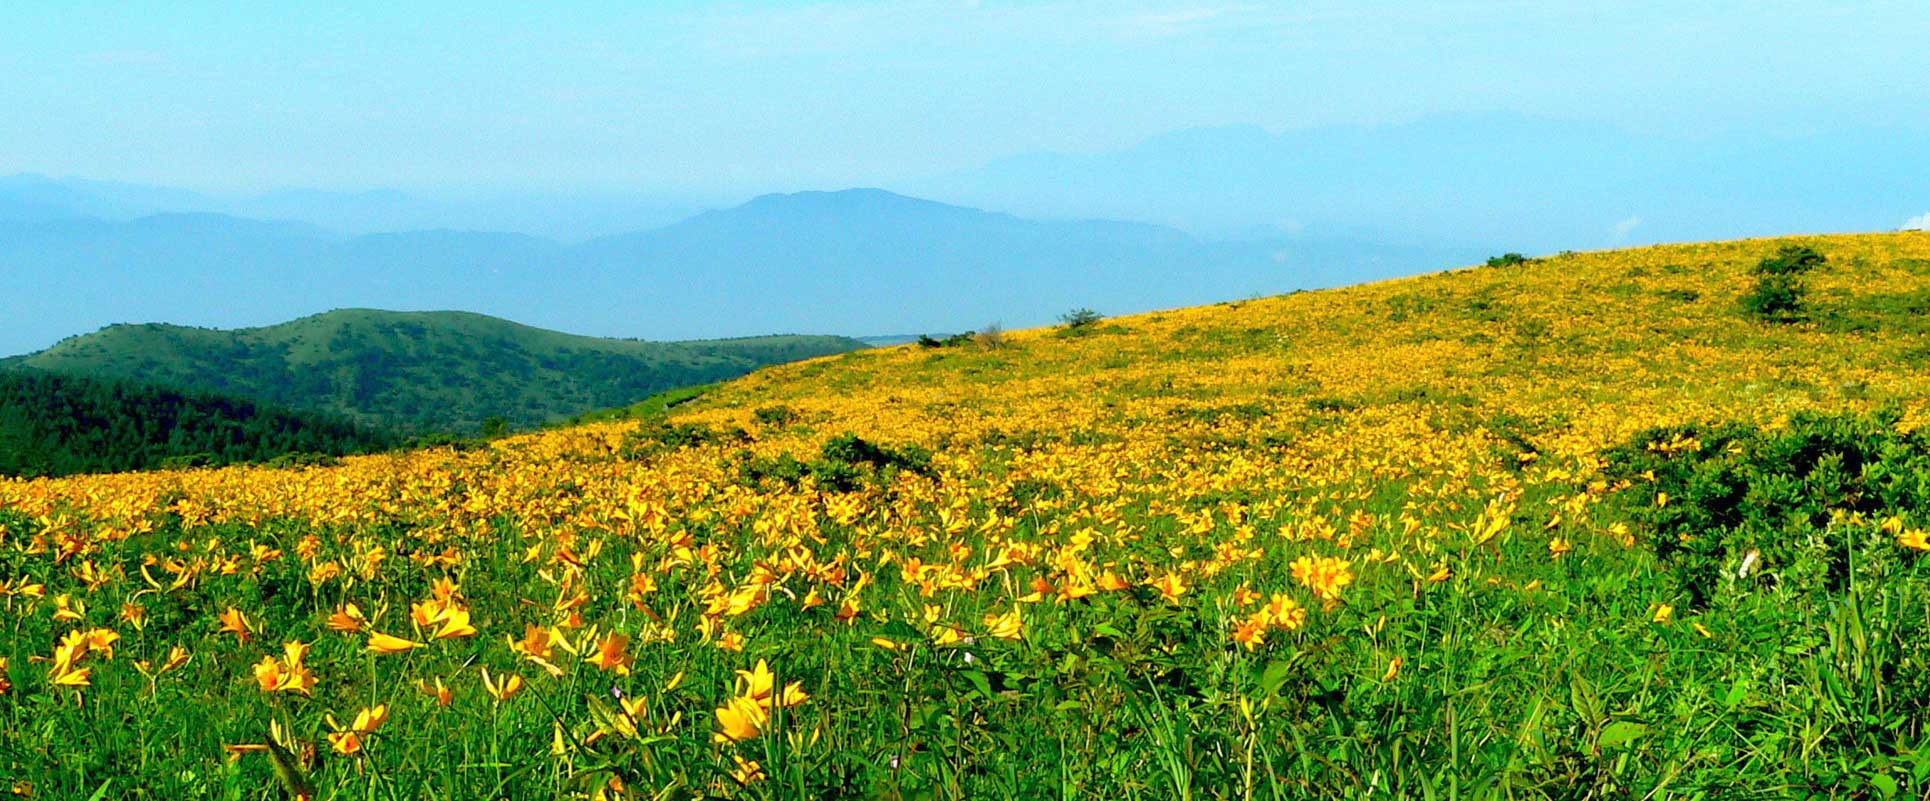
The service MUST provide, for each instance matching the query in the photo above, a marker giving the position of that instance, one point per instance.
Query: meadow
(1579, 527)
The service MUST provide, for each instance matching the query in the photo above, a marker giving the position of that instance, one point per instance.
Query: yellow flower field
(1364, 542)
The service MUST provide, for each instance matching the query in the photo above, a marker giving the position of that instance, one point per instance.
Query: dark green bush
(777, 416)
(660, 436)
(953, 341)
(1508, 260)
(852, 450)
(1721, 491)
(1779, 291)
(1080, 318)
(1776, 297)
(846, 463)
(1791, 260)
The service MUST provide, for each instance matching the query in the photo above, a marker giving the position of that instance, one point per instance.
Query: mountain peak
(855, 199)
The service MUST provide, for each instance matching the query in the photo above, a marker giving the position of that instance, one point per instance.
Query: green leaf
(1737, 692)
(1581, 695)
(979, 682)
(1274, 676)
(1620, 733)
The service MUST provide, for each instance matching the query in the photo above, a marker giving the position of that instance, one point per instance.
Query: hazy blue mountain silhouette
(851, 262)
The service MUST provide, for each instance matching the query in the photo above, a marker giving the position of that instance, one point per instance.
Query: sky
(715, 98)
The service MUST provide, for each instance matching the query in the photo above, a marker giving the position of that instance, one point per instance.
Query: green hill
(54, 425)
(417, 371)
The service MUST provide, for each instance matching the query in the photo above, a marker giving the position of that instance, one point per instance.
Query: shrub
(1080, 318)
(1722, 491)
(846, 463)
(1776, 297)
(1778, 293)
(929, 342)
(1508, 260)
(777, 416)
(1791, 260)
(991, 337)
(660, 436)
(852, 450)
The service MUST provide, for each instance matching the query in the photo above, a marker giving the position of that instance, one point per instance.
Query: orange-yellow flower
(101, 641)
(747, 770)
(759, 684)
(501, 688)
(537, 646)
(1251, 631)
(613, 654)
(1283, 612)
(740, 719)
(135, 615)
(66, 662)
(437, 690)
(177, 656)
(848, 610)
(1009, 626)
(1325, 575)
(455, 623)
(235, 622)
(1914, 538)
(1170, 586)
(536, 642)
(347, 619)
(66, 609)
(348, 742)
(287, 674)
(390, 644)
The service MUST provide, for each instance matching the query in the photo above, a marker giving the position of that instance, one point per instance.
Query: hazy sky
(737, 97)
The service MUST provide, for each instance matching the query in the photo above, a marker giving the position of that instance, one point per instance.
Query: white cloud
(1920, 222)
(1622, 229)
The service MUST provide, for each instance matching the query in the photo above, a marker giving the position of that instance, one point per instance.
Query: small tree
(1507, 260)
(1080, 318)
(1791, 260)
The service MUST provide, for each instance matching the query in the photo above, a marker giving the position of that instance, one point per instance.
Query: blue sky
(715, 98)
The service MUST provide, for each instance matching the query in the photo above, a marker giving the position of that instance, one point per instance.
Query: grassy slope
(418, 370)
(1382, 425)
(1589, 347)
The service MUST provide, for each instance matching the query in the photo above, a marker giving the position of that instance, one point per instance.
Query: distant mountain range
(415, 372)
(857, 261)
(1501, 180)
(566, 216)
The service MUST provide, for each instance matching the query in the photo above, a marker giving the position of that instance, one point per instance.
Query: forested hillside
(416, 372)
(53, 425)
